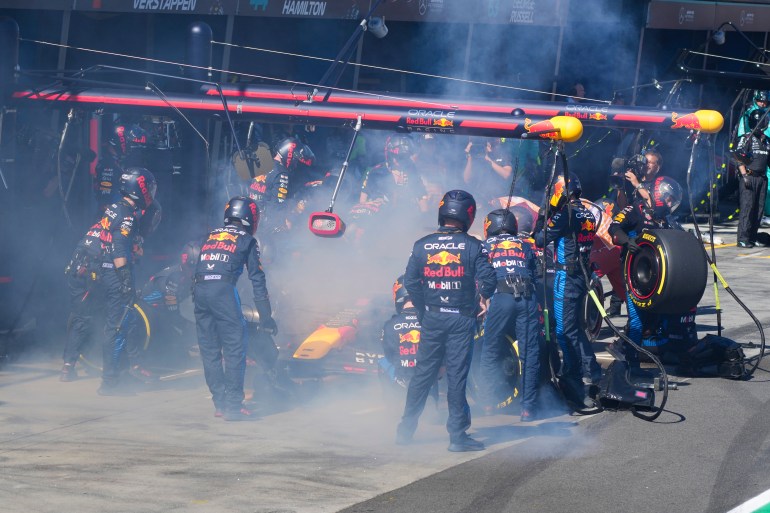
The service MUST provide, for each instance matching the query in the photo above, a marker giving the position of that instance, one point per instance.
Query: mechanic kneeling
(400, 340)
(626, 226)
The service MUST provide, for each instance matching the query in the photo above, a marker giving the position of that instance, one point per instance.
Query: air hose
(754, 360)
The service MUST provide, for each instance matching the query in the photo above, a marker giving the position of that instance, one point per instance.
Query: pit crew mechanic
(396, 181)
(625, 227)
(162, 294)
(400, 341)
(572, 229)
(275, 191)
(512, 308)
(218, 315)
(118, 227)
(441, 278)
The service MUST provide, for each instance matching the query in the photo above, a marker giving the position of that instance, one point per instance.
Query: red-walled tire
(668, 274)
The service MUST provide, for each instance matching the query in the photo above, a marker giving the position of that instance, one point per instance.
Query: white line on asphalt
(753, 504)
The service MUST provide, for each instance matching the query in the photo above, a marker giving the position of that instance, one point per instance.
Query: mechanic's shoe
(527, 416)
(614, 309)
(68, 373)
(765, 222)
(142, 374)
(745, 245)
(219, 413)
(465, 443)
(111, 389)
(241, 415)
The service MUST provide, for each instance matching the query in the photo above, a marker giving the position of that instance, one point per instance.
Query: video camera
(637, 164)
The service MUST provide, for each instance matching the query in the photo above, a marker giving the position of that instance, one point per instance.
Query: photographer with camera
(640, 173)
(751, 155)
(488, 167)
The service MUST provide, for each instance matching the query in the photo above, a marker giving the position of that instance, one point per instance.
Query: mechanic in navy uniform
(111, 164)
(571, 228)
(275, 191)
(222, 336)
(626, 226)
(397, 180)
(441, 278)
(512, 309)
(752, 158)
(86, 297)
(118, 230)
(162, 294)
(400, 340)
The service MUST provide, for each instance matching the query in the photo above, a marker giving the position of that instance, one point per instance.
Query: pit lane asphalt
(64, 448)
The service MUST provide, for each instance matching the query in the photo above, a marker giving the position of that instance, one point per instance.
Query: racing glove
(126, 283)
(632, 247)
(539, 222)
(621, 238)
(266, 321)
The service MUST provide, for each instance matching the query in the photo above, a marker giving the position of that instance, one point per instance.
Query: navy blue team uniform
(441, 278)
(219, 318)
(513, 309)
(119, 226)
(86, 297)
(572, 229)
(626, 226)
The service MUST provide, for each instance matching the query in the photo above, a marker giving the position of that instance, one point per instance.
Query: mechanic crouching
(513, 307)
(572, 229)
(400, 340)
(441, 277)
(628, 224)
(218, 315)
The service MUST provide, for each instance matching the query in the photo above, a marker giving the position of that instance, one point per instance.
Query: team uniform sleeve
(122, 237)
(256, 274)
(413, 283)
(486, 279)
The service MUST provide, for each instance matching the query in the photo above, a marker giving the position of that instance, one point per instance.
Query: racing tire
(508, 391)
(668, 274)
(92, 357)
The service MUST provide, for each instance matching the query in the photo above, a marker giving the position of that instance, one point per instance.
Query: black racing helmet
(758, 118)
(400, 295)
(559, 189)
(400, 146)
(291, 151)
(666, 196)
(500, 221)
(188, 259)
(138, 184)
(761, 95)
(459, 205)
(243, 210)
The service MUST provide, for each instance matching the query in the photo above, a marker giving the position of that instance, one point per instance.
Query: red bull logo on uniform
(411, 336)
(444, 258)
(507, 244)
(223, 236)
